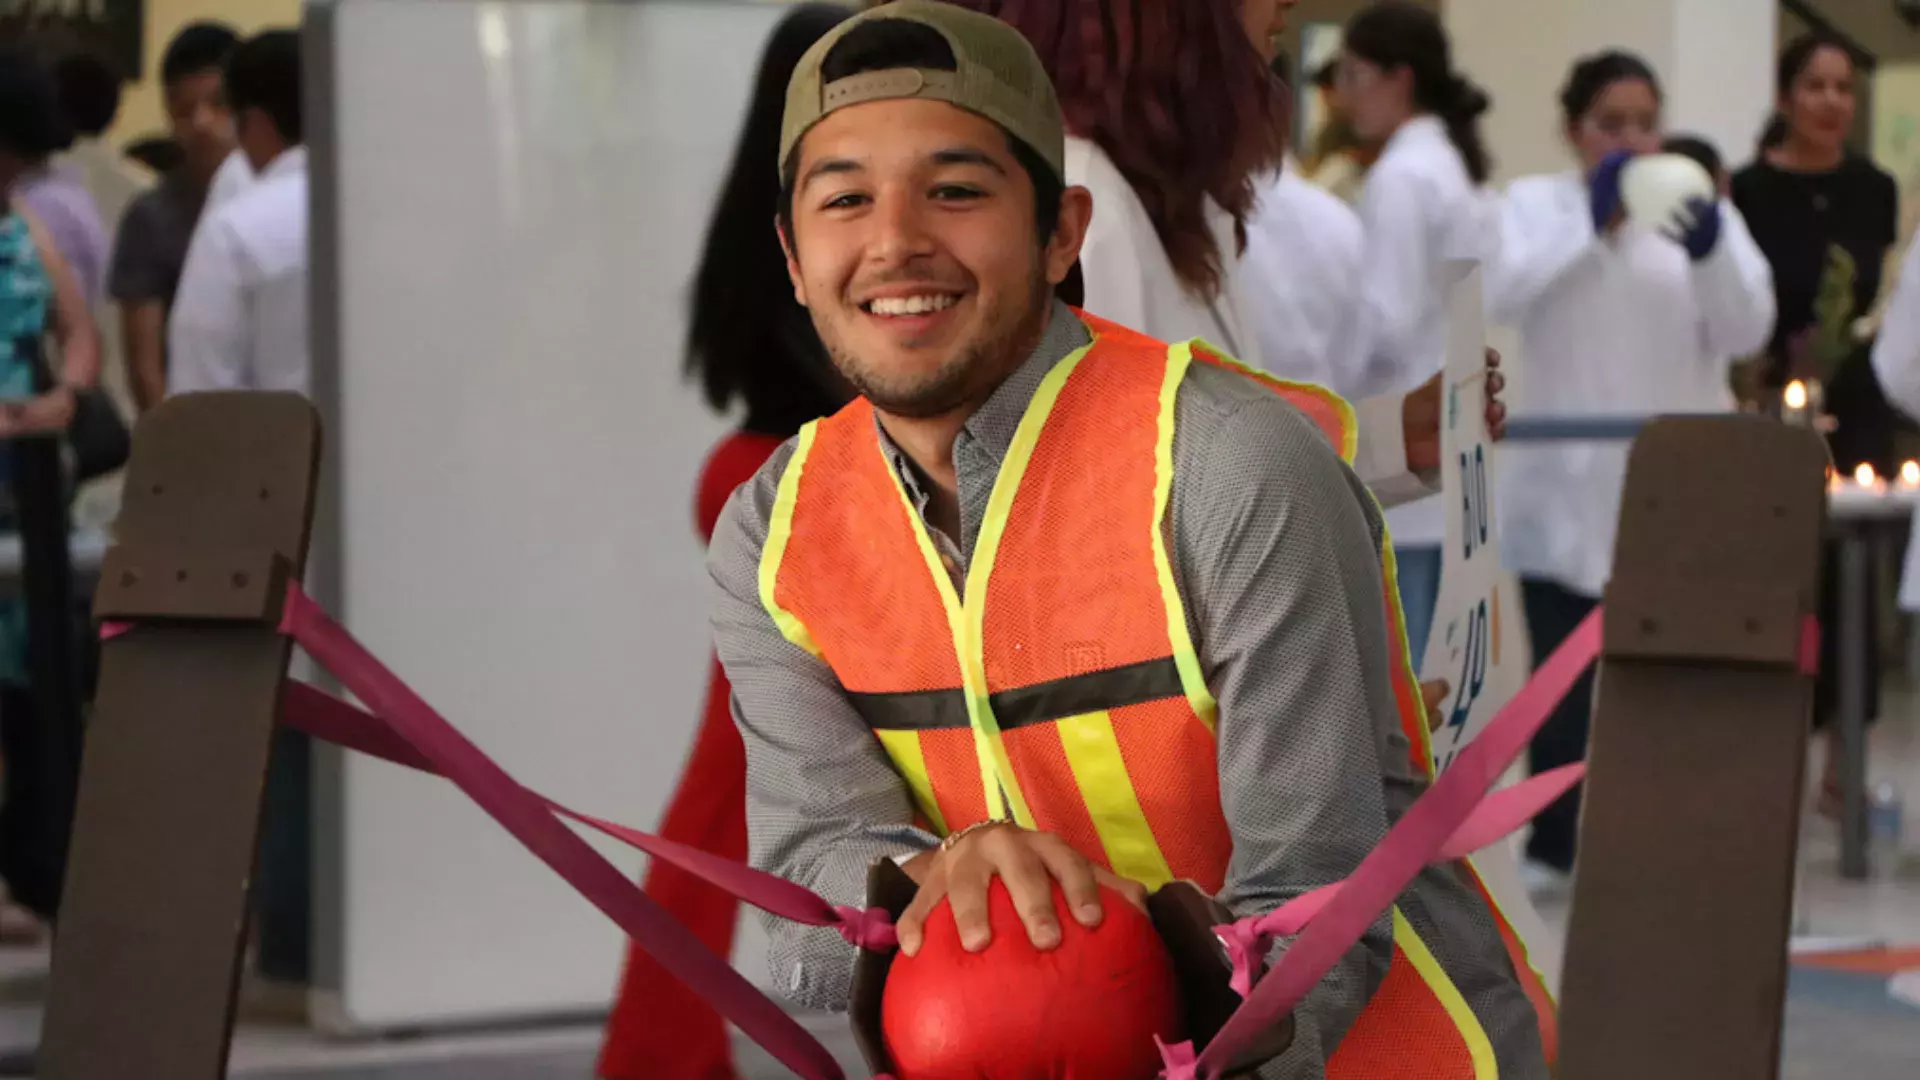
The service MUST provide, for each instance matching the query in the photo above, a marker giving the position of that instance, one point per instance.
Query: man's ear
(793, 261)
(1069, 234)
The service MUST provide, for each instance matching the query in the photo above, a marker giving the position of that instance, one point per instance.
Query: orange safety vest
(1063, 688)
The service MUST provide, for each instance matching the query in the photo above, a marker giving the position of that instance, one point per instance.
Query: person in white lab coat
(239, 321)
(1421, 209)
(1616, 316)
(1896, 362)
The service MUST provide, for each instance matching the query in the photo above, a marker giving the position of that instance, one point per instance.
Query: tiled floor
(1837, 1024)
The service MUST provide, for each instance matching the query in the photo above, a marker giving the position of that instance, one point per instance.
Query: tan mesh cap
(999, 77)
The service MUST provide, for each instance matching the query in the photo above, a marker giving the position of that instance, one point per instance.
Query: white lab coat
(1626, 325)
(1896, 362)
(1131, 281)
(1420, 211)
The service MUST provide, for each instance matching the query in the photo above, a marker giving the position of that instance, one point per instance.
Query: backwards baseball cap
(997, 75)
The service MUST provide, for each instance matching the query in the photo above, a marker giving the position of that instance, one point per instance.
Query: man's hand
(1420, 417)
(1433, 695)
(1029, 863)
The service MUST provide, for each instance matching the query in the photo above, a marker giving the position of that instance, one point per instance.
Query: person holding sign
(1626, 304)
(1091, 607)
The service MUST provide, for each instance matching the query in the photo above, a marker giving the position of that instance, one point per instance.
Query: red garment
(660, 1030)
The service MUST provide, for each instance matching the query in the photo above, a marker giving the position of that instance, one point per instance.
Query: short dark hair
(1591, 75)
(31, 126)
(1699, 149)
(89, 88)
(264, 73)
(885, 44)
(199, 48)
(157, 152)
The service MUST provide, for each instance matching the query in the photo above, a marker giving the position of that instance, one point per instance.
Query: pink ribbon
(1498, 816)
(1413, 842)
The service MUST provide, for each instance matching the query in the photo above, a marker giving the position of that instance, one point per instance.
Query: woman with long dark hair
(749, 344)
(1422, 207)
(1826, 218)
(1616, 316)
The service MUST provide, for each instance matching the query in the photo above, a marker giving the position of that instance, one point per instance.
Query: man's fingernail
(1046, 936)
(1090, 913)
(974, 940)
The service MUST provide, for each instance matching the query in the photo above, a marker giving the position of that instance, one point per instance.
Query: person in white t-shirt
(240, 319)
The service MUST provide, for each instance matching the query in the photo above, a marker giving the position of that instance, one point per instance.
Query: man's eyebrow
(967, 155)
(830, 167)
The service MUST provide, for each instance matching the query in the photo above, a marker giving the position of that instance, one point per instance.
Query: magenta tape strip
(1410, 845)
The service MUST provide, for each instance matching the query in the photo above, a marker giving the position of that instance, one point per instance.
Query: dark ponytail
(1396, 34)
(1794, 60)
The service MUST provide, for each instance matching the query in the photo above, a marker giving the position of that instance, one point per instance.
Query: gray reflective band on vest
(1096, 691)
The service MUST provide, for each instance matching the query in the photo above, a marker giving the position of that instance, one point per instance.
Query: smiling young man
(1054, 602)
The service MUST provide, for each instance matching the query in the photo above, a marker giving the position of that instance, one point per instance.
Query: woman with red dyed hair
(1171, 117)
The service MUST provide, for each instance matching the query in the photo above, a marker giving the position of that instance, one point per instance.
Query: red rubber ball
(1086, 1010)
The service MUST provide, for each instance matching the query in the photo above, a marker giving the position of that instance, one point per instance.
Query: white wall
(512, 195)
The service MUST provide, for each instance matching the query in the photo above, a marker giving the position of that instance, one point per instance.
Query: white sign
(1478, 643)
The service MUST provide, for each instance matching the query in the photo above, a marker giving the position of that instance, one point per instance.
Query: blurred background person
(1338, 160)
(1616, 316)
(1826, 219)
(40, 298)
(1421, 208)
(1704, 154)
(239, 321)
(89, 88)
(150, 247)
(749, 343)
(1304, 247)
(56, 194)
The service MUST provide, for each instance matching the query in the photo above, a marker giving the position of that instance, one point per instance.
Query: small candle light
(1864, 476)
(1793, 404)
(1910, 474)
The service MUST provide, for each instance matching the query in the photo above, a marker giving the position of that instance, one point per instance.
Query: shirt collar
(1424, 128)
(991, 426)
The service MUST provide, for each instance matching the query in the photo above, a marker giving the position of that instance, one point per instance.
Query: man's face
(913, 248)
(202, 125)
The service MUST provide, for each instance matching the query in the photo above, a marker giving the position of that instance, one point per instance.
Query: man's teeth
(911, 305)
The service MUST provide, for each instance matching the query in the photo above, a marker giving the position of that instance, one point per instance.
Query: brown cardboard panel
(1676, 953)
(223, 585)
(147, 959)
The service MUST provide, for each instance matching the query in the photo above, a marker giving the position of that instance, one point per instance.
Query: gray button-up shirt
(1276, 551)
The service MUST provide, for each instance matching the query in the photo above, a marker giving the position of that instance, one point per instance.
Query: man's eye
(957, 192)
(844, 202)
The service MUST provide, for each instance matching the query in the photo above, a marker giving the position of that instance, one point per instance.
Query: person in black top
(1826, 218)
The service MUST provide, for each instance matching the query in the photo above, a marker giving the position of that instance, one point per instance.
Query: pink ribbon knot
(1180, 1060)
(871, 929)
(1246, 946)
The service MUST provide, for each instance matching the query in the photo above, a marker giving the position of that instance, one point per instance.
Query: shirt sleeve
(1116, 288)
(1539, 243)
(1896, 353)
(823, 799)
(134, 274)
(1394, 281)
(1734, 287)
(207, 331)
(1380, 457)
(1277, 551)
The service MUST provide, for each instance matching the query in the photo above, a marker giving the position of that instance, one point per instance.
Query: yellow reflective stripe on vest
(908, 757)
(779, 532)
(984, 739)
(1479, 1047)
(1349, 423)
(1093, 753)
(1192, 679)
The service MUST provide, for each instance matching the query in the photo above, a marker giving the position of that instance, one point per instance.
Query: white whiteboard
(508, 201)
